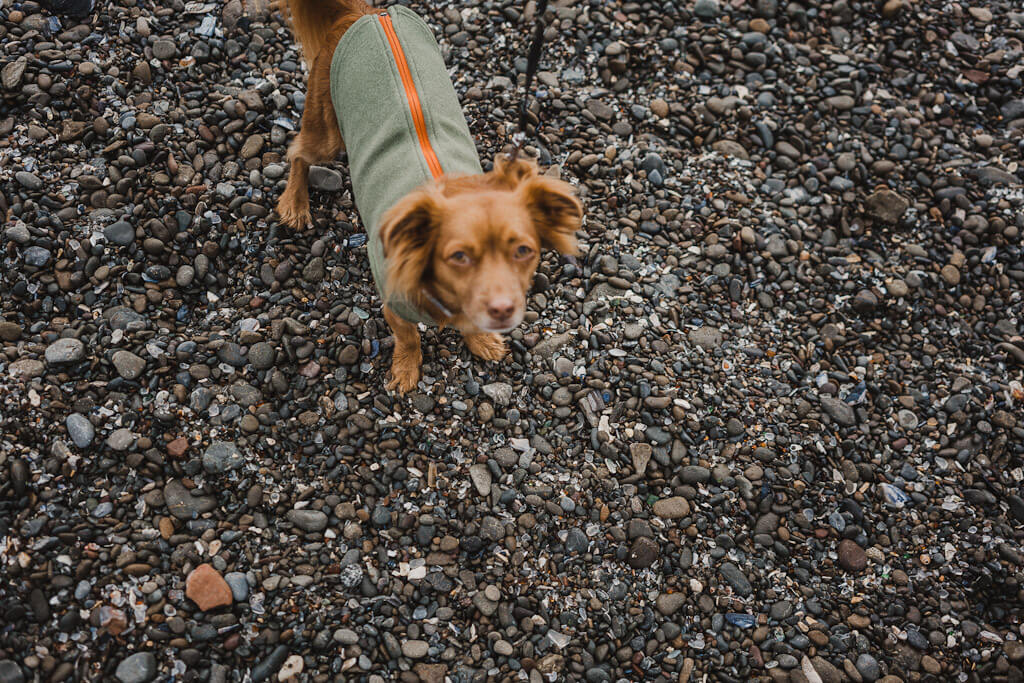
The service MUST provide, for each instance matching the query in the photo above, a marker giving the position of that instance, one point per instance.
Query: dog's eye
(523, 252)
(459, 258)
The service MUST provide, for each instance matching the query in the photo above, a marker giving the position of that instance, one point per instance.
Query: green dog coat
(401, 122)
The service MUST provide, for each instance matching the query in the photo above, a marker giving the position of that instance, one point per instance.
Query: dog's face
(474, 242)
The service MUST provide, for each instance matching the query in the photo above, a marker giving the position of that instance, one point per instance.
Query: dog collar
(437, 304)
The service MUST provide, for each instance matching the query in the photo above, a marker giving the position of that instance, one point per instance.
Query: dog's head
(473, 242)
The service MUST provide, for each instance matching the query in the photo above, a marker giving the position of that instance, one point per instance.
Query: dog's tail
(314, 22)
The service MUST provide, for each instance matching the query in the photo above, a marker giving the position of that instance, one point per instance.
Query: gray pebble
(66, 350)
(239, 585)
(222, 456)
(736, 579)
(128, 365)
(140, 667)
(28, 180)
(80, 430)
(121, 233)
(308, 520)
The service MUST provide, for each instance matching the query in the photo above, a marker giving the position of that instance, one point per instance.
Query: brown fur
(318, 25)
(499, 220)
(511, 205)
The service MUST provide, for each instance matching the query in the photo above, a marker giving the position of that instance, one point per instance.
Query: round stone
(10, 672)
(415, 649)
(868, 667)
(164, 48)
(852, 557)
(120, 233)
(675, 507)
(707, 9)
(261, 355)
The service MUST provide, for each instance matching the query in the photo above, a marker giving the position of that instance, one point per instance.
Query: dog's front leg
(407, 358)
(487, 346)
(293, 206)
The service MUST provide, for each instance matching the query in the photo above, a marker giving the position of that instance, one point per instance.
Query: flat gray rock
(708, 338)
(222, 456)
(67, 350)
(325, 179)
(128, 365)
(140, 667)
(840, 411)
(737, 579)
(308, 520)
(481, 477)
(183, 505)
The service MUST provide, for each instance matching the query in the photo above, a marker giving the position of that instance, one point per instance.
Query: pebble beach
(767, 426)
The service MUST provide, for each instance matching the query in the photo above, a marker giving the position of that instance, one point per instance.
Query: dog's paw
(486, 346)
(405, 372)
(293, 211)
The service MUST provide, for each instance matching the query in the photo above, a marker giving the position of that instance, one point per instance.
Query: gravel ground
(767, 427)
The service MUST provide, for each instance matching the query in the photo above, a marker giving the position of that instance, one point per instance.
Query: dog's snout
(501, 309)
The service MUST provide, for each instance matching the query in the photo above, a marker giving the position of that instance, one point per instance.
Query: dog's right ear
(408, 234)
(556, 212)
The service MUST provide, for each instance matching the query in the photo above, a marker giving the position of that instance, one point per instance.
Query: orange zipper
(410, 93)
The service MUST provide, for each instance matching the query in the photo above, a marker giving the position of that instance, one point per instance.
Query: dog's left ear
(556, 212)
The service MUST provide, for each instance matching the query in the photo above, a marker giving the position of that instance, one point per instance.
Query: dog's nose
(501, 309)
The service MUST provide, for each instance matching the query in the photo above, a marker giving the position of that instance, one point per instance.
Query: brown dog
(461, 246)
